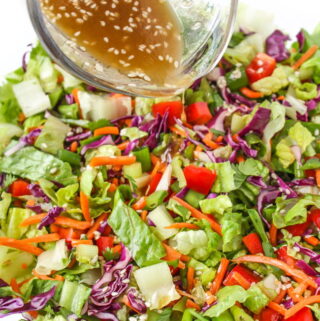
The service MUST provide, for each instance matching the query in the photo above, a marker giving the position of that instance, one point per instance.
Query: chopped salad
(203, 206)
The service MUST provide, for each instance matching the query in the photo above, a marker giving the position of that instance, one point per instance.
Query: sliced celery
(87, 253)
(133, 170)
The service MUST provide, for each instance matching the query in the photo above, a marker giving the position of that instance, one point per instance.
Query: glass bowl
(207, 29)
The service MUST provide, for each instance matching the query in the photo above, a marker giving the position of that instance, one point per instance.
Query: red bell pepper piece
(260, 67)
(154, 183)
(244, 272)
(315, 217)
(104, 242)
(303, 315)
(283, 256)
(299, 229)
(19, 188)
(199, 179)
(198, 113)
(253, 243)
(270, 315)
(174, 108)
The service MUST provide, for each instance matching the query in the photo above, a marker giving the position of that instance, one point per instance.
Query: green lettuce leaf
(52, 136)
(15, 218)
(227, 297)
(33, 164)
(225, 177)
(9, 107)
(256, 299)
(133, 133)
(216, 205)
(7, 132)
(144, 246)
(5, 203)
(253, 167)
(231, 232)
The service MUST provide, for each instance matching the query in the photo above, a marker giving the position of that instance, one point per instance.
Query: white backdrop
(16, 31)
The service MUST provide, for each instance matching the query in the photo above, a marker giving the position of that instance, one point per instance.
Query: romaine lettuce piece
(256, 299)
(225, 177)
(216, 205)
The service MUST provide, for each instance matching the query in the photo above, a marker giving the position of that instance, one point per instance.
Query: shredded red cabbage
(50, 217)
(301, 40)
(135, 301)
(36, 191)
(217, 122)
(78, 137)
(313, 255)
(276, 46)
(257, 181)
(306, 268)
(105, 140)
(183, 192)
(69, 99)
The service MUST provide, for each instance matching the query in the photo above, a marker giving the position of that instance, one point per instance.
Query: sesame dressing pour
(141, 38)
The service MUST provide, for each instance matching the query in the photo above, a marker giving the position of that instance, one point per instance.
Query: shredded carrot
(25, 281)
(155, 169)
(181, 265)
(186, 294)
(163, 167)
(123, 146)
(140, 204)
(118, 160)
(15, 286)
(31, 203)
(222, 270)
(106, 131)
(209, 142)
(299, 275)
(189, 226)
(219, 139)
(280, 296)
(306, 56)
(117, 249)
(198, 149)
(43, 238)
(34, 219)
(128, 122)
(312, 240)
(188, 125)
(54, 228)
(185, 258)
(210, 298)
(192, 305)
(60, 79)
(24, 266)
(281, 98)
(33, 314)
(21, 245)
(112, 188)
(178, 131)
(172, 254)
(74, 147)
(21, 117)
(240, 159)
(273, 235)
(69, 222)
(155, 159)
(294, 296)
(96, 225)
(317, 171)
(85, 208)
(251, 93)
(190, 278)
(81, 242)
(197, 214)
(303, 303)
(115, 181)
(45, 277)
(277, 307)
(75, 94)
(235, 138)
(144, 215)
(301, 288)
(241, 280)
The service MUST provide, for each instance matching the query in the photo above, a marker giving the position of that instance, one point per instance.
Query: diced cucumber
(161, 218)
(15, 218)
(133, 170)
(143, 156)
(193, 198)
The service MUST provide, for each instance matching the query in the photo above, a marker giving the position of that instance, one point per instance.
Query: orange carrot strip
(155, 169)
(303, 303)
(309, 53)
(279, 264)
(45, 277)
(123, 146)
(273, 235)
(276, 307)
(219, 139)
(209, 142)
(155, 159)
(198, 149)
(144, 215)
(190, 278)
(183, 225)
(74, 147)
(112, 188)
(21, 117)
(96, 225)
(75, 94)
(222, 270)
(251, 93)
(197, 214)
(35, 219)
(24, 266)
(240, 159)
(69, 222)
(192, 305)
(301, 288)
(85, 208)
(294, 296)
(43, 238)
(317, 171)
(172, 254)
(31, 203)
(178, 131)
(281, 98)
(118, 160)
(280, 296)
(181, 265)
(33, 314)
(186, 294)
(312, 240)
(140, 204)
(106, 131)
(117, 249)
(14, 285)
(81, 242)
(20, 245)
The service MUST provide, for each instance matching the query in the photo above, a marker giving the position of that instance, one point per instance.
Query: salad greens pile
(204, 206)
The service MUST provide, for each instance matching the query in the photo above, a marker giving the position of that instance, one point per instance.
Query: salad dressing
(141, 38)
